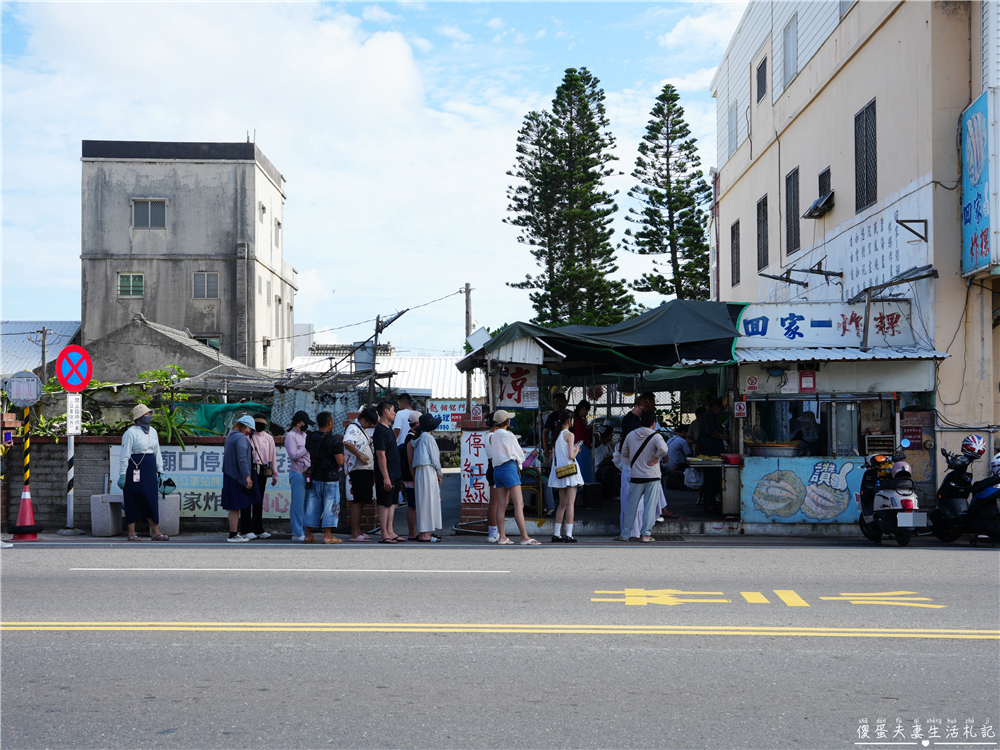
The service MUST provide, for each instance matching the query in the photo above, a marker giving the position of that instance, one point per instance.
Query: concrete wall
(213, 224)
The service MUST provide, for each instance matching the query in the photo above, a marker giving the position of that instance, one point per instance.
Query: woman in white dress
(427, 479)
(565, 454)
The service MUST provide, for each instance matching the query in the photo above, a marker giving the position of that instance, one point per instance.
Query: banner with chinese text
(517, 387)
(978, 251)
(783, 325)
(450, 411)
(197, 472)
(474, 462)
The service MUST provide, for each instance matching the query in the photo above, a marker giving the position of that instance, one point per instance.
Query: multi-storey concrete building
(189, 235)
(853, 198)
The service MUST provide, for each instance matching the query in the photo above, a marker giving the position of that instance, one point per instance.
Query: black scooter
(955, 515)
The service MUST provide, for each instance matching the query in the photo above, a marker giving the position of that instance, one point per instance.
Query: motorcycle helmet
(995, 465)
(974, 446)
(904, 468)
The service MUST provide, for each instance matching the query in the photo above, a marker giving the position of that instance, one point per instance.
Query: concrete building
(190, 236)
(840, 146)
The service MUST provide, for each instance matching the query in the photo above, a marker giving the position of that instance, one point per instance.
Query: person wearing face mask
(265, 464)
(237, 475)
(140, 465)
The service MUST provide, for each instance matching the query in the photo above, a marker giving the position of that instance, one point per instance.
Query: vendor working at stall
(712, 443)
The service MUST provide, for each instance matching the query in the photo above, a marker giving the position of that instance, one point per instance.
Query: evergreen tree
(564, 210)
(672, 193)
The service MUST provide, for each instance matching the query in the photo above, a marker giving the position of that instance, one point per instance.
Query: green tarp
(677, 330)
(218, 419)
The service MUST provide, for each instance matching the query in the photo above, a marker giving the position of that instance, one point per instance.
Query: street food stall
(814, 393)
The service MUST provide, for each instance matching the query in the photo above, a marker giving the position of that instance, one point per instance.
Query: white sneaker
(265, 535)
(299, 538)
(493, 539)
(5, 545)
(237, 538)
(250, 537)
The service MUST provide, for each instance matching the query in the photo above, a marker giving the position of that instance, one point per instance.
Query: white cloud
(391, 202)
(709, 31)
(454, 33)
(696, 81)
(377, 14)
(496, 23)
(539, 34)
(420, 43)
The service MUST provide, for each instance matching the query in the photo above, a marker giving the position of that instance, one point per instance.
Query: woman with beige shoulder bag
(265, 466)
(565, 477)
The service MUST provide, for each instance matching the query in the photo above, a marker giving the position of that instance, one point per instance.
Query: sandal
(387, 541)
(428, 541)
(647, 541)
(529, 543)
(668, 514)
(160, 538)
(620, 538)
(134, 538)
(505, 541)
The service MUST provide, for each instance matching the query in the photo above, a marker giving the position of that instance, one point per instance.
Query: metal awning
(836, 354)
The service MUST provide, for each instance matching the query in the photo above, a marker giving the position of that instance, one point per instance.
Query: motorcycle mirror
(904, 443)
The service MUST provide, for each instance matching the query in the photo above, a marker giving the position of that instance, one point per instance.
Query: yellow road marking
(754, 597)
(728, 630)
(790, 598)
(896, 598)
(667, 597)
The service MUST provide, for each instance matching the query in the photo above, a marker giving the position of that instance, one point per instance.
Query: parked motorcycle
(889, 503)
(956, 515)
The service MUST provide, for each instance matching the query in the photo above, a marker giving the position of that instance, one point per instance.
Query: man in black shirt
(713, 443)
(551, 430)
(643, 402)
(388, 472)
(326, 455)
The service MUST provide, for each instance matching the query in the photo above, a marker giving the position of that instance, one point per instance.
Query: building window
(263, 210)
(824, 182)
(734, 246)
(277, 233)
(762, 259)
(149, 214)
(268, 293)
(260, 285)
(865, 158)
(791, 50)
(277, 317)
(792, 211)
(130, 285)
(206, 286)
(733, 130)
(761, 79)
(212, 343)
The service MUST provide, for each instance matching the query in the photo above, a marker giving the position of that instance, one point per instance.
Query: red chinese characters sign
(518, 387)
(474, 462)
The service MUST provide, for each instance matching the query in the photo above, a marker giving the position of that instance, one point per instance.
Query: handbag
(264, 469)
(693, 477)
(567, 470)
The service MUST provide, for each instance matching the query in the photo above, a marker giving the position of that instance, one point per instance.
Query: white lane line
(277, 570)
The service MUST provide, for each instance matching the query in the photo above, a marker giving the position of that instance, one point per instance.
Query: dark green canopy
(676, 331)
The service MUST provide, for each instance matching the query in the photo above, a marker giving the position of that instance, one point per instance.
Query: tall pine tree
(672, 193)
(565, 212)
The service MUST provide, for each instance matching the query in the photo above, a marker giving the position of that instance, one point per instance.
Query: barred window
(761, 79)
(268, 293)
(206, 286)
(734, 241)
(762, 259)
(277, 233)
(792, 211)
(824, 182)
(865, 158)
(130, 285)
(149, 214)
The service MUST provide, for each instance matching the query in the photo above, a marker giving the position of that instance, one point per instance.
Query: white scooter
(889, 504)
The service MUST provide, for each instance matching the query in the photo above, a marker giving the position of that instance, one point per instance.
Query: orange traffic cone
(26, 528)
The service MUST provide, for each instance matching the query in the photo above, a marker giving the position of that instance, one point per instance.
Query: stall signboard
(794, 325)
(518, 387)
(474, 463)
(450, 411)
(979, 250)
(197, 472)
(807, 381)
(801, 490)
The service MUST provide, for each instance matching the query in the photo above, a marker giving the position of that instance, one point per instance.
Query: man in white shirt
(642, 449)
(401, 425)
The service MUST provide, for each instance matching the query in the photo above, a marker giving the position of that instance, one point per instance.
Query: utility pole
(468, 332)
(45, 352)
(371, 381)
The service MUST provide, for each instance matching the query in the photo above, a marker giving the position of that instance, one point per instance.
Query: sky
(394, 125)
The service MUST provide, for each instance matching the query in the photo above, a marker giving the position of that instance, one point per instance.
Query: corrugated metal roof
(21, 344)
(836, 354)
(436, 374)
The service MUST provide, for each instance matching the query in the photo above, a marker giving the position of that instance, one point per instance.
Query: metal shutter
(792, 211)
(734, 238)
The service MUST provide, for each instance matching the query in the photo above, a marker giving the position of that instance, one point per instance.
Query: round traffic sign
(24, 389)
(74, 368)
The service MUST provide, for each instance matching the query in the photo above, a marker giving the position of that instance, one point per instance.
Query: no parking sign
(74, 368)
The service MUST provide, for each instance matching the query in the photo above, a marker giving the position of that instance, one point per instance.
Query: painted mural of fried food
(823, 502)
(779, 493)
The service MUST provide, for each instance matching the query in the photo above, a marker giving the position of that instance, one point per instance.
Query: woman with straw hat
(140, 465)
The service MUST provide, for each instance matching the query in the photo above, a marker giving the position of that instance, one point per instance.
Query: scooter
(955, 515)
(889, 504)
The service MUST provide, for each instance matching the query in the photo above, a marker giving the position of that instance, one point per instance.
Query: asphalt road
(692, 644)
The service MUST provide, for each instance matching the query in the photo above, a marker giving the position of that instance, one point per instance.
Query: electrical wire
(963, 321)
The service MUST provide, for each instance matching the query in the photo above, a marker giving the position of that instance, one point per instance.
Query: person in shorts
(388, 472)
(360, 466)
(507, 459)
